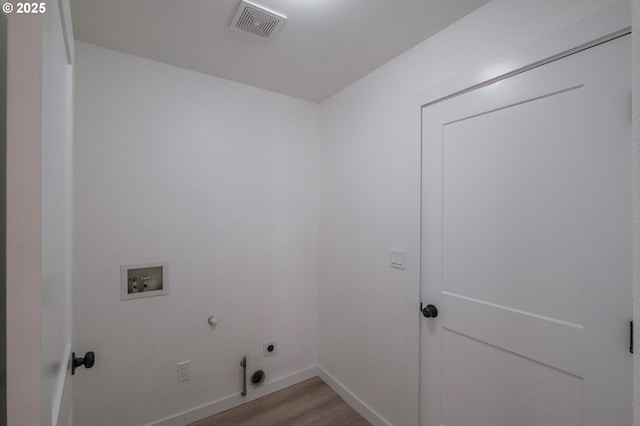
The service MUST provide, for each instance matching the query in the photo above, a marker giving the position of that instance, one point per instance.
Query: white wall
(369, 314)
(220, 180)
(57, 206)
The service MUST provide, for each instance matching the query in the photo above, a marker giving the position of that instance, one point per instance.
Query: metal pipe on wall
(243, 364)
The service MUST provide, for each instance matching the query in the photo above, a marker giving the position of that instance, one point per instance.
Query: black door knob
(88, 360)
(430, 311)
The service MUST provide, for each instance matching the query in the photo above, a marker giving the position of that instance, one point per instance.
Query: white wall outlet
(270, 348)
(184, 371)
(398, 258)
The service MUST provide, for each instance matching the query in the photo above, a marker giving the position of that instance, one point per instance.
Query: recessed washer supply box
(144, 280)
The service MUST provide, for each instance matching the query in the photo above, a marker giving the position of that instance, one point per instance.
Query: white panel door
(526, 247)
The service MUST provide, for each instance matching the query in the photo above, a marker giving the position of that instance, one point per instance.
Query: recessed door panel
(512, 222)
(501, 388)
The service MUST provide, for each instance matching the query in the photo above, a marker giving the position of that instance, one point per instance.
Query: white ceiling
(324, 46)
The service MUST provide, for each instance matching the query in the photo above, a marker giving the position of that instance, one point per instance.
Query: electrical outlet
(270, 348)
(184, 371)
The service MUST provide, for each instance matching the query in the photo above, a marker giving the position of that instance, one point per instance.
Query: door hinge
(631, 336)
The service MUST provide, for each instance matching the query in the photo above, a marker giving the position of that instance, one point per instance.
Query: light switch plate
(398, 258)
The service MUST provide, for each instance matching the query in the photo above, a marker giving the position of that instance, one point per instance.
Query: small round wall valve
(213, 320)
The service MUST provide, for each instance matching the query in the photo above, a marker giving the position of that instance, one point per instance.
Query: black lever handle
(88, 360)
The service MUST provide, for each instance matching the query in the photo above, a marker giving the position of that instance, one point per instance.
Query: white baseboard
(226, 403)
(350, 398)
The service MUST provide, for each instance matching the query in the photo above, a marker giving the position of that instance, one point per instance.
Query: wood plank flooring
(311, 402)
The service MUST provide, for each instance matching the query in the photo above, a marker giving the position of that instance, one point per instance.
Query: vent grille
(257, 20)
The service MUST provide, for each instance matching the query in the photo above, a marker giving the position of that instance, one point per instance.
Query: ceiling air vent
(257, 20)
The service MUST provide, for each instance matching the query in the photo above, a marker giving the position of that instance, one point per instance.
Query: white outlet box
(270, 348)
(184, 371)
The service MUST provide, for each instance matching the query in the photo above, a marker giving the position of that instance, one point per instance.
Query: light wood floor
(311, 402)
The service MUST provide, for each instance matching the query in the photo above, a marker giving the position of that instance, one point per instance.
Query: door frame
(23, 204)
(599, 28)
(24, 211)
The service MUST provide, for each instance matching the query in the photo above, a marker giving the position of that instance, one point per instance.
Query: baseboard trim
(350, 398)
(228, 402)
